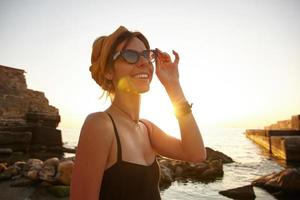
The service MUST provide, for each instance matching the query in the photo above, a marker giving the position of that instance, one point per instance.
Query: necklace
(127, 116)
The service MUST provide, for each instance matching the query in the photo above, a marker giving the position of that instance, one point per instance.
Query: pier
(282, 139)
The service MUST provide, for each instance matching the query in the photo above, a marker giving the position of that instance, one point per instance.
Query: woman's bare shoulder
(98, 124)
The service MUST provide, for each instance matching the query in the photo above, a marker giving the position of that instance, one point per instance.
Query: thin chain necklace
(127, 116)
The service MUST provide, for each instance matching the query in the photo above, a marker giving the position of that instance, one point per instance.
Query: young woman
(116, 154)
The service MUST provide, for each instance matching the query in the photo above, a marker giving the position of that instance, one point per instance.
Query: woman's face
(133, 78)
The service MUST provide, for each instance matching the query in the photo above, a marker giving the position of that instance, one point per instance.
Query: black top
(129, 181)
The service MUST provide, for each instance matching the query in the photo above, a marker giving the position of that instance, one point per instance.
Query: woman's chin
(141, 86)
(143, 89)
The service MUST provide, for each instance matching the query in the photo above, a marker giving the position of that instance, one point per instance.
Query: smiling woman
(116, 145)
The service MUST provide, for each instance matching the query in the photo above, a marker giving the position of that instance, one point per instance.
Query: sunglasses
(132, 56)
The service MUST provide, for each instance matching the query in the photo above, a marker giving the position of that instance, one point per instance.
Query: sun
(157, 107)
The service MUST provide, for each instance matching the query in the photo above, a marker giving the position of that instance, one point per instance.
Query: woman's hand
(166, 70)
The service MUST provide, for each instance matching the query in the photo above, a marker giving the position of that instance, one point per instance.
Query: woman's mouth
(141, 76)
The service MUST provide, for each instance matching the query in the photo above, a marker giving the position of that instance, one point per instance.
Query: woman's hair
(109, 50)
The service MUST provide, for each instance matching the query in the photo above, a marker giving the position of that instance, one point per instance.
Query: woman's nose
(143, 62)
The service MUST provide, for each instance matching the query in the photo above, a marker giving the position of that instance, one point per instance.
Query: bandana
(100, 54)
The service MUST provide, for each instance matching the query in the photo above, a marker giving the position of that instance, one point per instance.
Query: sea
(250, 162)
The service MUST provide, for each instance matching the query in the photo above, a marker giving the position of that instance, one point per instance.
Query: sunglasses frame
(121, 53)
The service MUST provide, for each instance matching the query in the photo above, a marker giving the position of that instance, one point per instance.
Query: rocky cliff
(27, 121)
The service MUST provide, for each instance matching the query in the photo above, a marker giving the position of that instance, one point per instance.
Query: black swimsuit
(130, 181)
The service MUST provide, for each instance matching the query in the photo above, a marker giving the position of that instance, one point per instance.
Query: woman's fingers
(165, 57)
(176, 57)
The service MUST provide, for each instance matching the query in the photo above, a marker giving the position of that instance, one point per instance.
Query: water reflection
(251, 162)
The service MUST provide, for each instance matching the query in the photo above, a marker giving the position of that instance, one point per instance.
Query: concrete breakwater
(281, 139)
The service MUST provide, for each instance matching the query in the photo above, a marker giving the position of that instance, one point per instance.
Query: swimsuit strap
(118, 139)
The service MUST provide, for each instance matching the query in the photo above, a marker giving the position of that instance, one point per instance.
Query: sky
(239, 60)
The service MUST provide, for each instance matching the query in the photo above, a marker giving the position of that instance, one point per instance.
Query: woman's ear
(109, 75)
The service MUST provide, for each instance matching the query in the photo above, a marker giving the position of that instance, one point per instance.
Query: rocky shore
(50, 179)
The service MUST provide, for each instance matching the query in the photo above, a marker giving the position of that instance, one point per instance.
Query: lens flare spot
(125, 84)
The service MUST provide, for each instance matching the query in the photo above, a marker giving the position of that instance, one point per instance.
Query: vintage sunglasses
(132, 56)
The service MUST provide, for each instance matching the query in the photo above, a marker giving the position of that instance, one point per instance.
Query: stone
(33, 166)
(26, 118)
(64, 172)
(48, 171)
(43, 119)
(6, 151)
(32, 175)
(206, 171)
(216, 155)
(48, 136)
(9, 172)
(20, 164)
(245, 192)
(166, 177)
(8, 137)
(2, 167)
(287, 180)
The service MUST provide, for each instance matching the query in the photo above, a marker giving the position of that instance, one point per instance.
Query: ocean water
(251, 162)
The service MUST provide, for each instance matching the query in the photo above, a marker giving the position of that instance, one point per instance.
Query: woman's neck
(128, 103)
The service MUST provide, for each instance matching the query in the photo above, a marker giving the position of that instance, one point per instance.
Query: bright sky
(240, 60)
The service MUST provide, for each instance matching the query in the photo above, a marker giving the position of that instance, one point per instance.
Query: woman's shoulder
(148, 124)
(96, 116)
(97, 122)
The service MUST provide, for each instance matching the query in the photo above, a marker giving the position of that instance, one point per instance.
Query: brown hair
(106, 84)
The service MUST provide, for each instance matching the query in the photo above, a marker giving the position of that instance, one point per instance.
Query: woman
(116, 154)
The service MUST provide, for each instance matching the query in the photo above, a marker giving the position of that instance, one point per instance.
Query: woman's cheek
(151, 71)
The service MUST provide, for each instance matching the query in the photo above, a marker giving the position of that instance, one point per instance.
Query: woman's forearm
(192, 142)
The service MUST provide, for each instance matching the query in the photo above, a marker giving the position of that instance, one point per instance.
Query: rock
(286, 181)
(213, 171)
(34, 163)
(14, 170)
(43, 119)
(48, 171)
(68, 150)
(6, 150)
(33, 166)
(20, 164)
(2, 167)
(207, 171)
(9, 137)
(245, 192)
(59, 190)
(11, 171)
(64, 172)
(216, 155)
(48, 136)
(178, 171)
(200, 168)
(217, 164)
(33, 175)
(26, 118)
